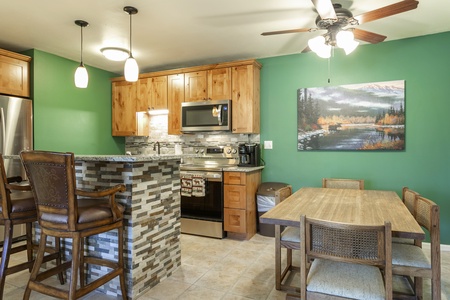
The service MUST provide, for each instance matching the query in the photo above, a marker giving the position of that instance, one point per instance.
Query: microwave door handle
(219, 115)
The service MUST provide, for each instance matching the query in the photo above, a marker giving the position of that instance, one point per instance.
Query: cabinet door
(219, 84)
(124, 99)
(14, 76)
(152, 93)
(234, 220)
(195, 86)
(245, 97)
(235, 178)
(175, 97)
(235, 196)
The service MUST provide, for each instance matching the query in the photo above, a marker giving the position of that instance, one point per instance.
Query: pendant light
(81, 74)
(131, 69)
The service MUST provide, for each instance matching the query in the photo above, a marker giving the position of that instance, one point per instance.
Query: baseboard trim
(443, 247)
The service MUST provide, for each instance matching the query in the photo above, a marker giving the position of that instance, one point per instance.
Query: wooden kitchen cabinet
(240, 215)
(152, 93)
(126, 121)
(245, 98)
(176, 97)
(214, 84)
(14, 74)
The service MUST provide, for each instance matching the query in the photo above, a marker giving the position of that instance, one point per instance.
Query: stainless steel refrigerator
(16, 131)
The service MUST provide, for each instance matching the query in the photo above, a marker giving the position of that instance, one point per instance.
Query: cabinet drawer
(234, 196)
(235, 178)
(234, 220)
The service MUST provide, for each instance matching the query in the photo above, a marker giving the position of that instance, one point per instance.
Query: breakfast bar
(152, 216)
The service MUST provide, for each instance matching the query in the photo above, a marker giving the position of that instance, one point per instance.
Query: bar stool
(69, 213)
(17, 207)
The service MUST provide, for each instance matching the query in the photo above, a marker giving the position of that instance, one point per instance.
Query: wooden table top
(365, 207)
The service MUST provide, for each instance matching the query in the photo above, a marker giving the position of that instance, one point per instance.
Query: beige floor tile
(221, 280)
(250, 288)
(196, 292)
(188, 273)
(166, 290)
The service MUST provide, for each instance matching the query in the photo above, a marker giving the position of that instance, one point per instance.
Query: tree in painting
(368, 116)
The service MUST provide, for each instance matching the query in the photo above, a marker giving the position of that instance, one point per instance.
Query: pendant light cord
(81, 62)
(131, 54)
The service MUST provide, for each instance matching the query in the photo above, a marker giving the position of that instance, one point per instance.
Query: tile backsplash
(158, 133)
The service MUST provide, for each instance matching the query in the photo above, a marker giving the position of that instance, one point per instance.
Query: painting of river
(367, 116)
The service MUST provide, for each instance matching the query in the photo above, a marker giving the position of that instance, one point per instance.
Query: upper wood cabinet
(238, 81)
(176, 97)
(245, 98)
(204, 85)
(14, 74)
(125, 119)
(152, 93)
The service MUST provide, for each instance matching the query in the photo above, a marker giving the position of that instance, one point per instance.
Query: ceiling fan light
(349, 48)
(344, 38)
(317, 43)
(131, 69)
(324, 52)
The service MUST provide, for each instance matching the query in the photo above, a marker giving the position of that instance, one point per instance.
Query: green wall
(423, 63)
(67, 118)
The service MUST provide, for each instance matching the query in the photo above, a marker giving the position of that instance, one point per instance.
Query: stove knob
(234, 151)
(196, 150)
(202, 151)
(228, 151)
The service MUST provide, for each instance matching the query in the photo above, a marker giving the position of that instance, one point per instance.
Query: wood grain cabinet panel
(14, 74)
(240, 202)
(175, 90)
(152, 93)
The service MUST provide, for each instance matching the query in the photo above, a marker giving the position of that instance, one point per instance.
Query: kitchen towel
(198, 186)
(186, 185)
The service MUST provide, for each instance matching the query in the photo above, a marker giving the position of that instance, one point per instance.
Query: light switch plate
(268, 145)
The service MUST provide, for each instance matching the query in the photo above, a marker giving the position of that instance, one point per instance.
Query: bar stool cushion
(89, 210)
(345, 280)
(409, 255)
(291, 234)
(21, 202)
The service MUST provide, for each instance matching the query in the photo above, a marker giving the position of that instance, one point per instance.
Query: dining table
(360, 207)
(353, 206)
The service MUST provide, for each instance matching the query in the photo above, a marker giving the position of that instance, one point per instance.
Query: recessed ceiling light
(116, 54)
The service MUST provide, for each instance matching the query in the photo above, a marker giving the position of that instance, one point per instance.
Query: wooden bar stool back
(17, 207)
(69, 213)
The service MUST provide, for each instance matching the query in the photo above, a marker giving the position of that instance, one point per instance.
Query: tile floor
(214, 269)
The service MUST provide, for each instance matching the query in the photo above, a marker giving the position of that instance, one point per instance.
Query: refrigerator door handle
(2, 116)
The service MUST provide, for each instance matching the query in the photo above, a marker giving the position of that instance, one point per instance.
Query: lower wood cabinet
(240, 215)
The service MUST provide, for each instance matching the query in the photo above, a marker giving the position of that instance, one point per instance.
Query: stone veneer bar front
(152, 216)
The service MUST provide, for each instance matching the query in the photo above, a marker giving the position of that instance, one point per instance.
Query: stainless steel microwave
(214, 115)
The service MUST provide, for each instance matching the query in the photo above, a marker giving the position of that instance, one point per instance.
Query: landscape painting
(366, 116)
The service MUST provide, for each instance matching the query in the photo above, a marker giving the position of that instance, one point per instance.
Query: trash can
(268, 195)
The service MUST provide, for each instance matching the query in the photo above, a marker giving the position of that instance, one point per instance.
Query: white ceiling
(179, 33)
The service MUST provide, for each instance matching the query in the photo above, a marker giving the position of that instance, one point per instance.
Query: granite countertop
(243, 169)
(117, 158)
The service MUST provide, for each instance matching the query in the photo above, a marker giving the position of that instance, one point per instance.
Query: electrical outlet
(268, 145)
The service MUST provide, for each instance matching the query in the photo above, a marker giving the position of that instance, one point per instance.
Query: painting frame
(354, 117)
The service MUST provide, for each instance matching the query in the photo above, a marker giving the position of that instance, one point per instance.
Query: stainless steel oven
(202, 190)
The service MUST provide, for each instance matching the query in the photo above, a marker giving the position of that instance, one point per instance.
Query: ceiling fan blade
(289, 31)
(387, 11)
(325, 9)
(368, 36)
(307, 49)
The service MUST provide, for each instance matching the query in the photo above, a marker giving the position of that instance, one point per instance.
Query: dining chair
(412, 261)
(285, 238)
(70, 213)
(17, 207)
(348, 261)
(338, 183)
(409, 199)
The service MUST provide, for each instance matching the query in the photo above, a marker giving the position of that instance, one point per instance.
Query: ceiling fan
(335, 19)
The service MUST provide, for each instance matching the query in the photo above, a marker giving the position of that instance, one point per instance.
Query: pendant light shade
(131, 70)
(81, 74)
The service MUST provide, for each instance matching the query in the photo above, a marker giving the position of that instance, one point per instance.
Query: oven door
(208, 204)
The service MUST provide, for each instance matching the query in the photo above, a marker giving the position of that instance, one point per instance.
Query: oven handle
(207, 177)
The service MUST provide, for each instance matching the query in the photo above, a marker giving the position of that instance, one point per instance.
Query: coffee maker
(249, 155)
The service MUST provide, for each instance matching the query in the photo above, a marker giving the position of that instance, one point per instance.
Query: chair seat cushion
(409, 255)
(89, 210)
(21, 202)
(291, 234)
(345, 280)
(402, 240)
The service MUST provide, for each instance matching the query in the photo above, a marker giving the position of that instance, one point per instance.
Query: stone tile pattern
(152, 222)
